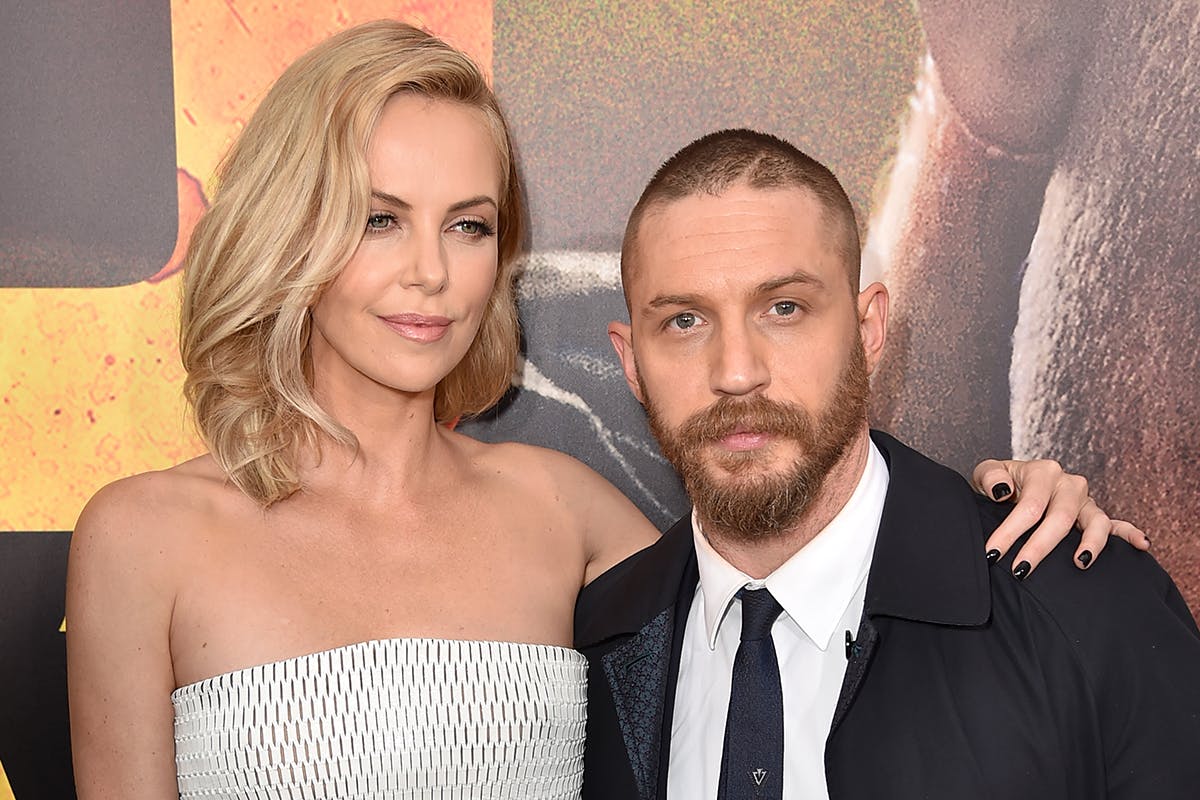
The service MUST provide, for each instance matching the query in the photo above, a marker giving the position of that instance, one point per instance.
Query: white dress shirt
(821, 588)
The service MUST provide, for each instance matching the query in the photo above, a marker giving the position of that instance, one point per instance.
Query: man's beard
(750, 506)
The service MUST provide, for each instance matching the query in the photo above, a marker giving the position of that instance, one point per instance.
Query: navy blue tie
(752, 763)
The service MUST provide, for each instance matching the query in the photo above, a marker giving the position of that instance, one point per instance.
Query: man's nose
(426, 264)
(738, 363)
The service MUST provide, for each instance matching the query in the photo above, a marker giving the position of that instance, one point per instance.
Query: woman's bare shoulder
(521, 463)
(139, 508)
(611, 525)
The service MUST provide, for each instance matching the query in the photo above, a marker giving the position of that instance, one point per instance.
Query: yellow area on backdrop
(90, 386)
(6, 792)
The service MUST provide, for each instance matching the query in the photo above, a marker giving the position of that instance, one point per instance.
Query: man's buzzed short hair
(740, 157)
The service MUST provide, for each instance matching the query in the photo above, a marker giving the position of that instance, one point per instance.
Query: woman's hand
(1053, 500)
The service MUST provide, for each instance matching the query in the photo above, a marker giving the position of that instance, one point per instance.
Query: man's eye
(785, 308)
(683, 321)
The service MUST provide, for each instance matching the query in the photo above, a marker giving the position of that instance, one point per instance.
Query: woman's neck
(400, 446)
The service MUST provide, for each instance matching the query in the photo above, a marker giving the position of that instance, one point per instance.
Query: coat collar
(928, 564)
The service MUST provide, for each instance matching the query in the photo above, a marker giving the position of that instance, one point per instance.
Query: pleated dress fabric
(395, 718)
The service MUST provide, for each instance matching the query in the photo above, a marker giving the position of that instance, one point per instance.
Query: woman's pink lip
(418, 327)
(745, 440)
(416, 319)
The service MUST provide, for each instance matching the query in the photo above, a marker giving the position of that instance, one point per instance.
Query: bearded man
(716, 659)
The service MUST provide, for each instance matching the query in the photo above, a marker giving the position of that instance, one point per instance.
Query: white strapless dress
(396, 718)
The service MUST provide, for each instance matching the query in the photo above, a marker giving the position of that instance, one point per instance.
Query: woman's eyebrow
(390, 199)
(470, 202)
(479, 200)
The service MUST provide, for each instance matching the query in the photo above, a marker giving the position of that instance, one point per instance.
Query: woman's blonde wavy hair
(289, 210)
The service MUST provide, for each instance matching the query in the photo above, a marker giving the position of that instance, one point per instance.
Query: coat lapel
(637, 677)
(632, 616)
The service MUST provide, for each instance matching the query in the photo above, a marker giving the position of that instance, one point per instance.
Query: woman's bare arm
(615, 528)
(119, 602)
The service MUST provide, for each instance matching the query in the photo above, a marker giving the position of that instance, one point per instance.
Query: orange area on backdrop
(90, 378)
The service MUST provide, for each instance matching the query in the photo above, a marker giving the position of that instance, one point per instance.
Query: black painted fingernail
(993, 556)
(1021, 571)
(1001, 491)
(1085, 557)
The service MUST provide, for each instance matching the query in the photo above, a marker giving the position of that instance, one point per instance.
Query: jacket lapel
(635, 607)
(637, 677)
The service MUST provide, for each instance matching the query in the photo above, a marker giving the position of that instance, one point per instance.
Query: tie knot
(759, 612)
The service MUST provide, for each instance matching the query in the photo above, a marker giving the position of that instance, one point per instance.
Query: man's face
(749, 349)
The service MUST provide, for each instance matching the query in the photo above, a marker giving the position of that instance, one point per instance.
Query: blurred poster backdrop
(1027, 174)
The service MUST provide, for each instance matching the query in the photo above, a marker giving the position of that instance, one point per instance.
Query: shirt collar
(815, 585)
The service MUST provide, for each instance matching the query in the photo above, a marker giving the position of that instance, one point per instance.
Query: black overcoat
(964, 682)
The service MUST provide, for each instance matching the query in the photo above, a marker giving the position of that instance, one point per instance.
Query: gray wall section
(600, 93)
(87, 142)
(34, 732)
(573, 396)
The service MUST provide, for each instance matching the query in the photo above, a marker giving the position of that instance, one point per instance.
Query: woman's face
(406, 307)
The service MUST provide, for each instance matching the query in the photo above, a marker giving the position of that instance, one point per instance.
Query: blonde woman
(344, 597)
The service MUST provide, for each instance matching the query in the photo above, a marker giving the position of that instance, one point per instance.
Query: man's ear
(872, 322)
(621, 336)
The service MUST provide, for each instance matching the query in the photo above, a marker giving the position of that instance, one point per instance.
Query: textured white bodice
(396, 718)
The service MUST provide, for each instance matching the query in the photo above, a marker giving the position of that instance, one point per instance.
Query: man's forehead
(741, 231)
(735, 201)
(740, 218)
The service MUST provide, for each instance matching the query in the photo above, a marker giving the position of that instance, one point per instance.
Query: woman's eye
(379, 222)
(474, 227)
(683, 321)
(785, 308)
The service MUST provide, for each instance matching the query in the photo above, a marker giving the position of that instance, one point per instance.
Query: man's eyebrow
(470, 202)
(664, 300)
(799, 276)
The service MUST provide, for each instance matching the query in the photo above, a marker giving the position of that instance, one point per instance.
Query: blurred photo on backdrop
(346, 595)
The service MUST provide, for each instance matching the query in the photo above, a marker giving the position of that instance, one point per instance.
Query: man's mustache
(758, 414)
